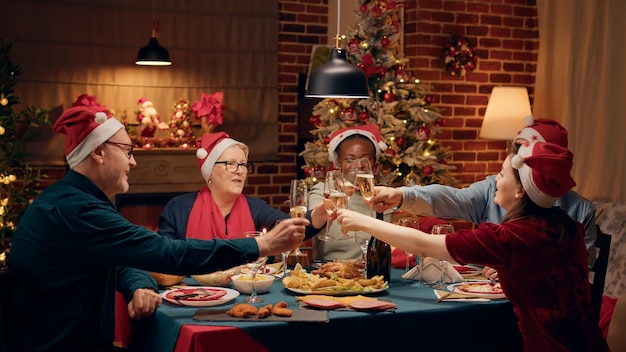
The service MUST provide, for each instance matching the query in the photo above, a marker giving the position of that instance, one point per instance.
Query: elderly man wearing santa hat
(538, 250)
(476, 202)
(349, 143)
(220, 209)
(72, 246)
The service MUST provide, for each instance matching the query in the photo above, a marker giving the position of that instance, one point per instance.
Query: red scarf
(206, 221)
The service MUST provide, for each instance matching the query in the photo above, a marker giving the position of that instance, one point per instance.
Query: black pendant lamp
(153, 54)
(337, 78)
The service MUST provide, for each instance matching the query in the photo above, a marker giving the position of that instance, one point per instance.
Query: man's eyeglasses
(233, 166)
(127, 148)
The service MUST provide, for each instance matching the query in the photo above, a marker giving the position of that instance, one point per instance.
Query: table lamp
(505, 114)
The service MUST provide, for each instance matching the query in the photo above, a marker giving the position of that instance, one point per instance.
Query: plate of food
(332, 282)
(337, 291)
(467, 270)
(478, 289)
(200, 296)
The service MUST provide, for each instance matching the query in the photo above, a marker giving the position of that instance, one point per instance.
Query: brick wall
(506, 35)
(505, 32)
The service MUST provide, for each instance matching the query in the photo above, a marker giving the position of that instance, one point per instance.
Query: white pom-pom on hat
(201, 153)
(100, 117)
(529, 120)
(517, 161)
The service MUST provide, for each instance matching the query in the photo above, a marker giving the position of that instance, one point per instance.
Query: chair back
(616, 338)
(598, 272)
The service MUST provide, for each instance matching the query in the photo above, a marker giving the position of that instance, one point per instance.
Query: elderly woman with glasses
(219, 209)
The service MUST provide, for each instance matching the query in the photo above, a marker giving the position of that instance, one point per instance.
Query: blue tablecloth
(418, 321)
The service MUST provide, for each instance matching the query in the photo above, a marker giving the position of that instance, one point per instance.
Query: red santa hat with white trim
(210, 147)
(542, 130)
(544, 170)
(86, 124)
(369, 131)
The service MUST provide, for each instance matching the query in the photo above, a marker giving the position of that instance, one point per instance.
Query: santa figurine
(149, 118)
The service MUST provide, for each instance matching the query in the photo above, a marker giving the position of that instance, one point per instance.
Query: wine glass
(365, 179)
(412, 222)
(332, 183)
(298, 203)
(253, 268)
(284, 255)
(348, 173)
(363, 239)
(442, 229)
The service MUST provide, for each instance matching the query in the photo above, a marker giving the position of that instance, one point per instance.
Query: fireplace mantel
(160, 170)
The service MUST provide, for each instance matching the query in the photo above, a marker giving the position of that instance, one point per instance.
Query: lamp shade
(505, 114)
(153, 54)
(337, 79)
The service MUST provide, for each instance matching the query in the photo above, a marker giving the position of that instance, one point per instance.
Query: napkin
(458, 297)
(345, 301)
(432, 272)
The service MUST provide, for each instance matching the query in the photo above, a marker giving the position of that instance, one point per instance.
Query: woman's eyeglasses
(233, 166)
(127, 148)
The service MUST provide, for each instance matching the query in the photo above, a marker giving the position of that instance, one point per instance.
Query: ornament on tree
(314, 120)
(402, 111)
(364, 117)
(347, 115)
(423, 133)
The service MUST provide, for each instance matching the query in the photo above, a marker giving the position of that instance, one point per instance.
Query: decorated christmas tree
(17, 180)
(180, 124)
(399, 105)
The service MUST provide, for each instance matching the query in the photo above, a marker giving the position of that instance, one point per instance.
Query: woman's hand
(490, 273)
(352, 221)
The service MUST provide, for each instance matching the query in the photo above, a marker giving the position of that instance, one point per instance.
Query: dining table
(418, 322)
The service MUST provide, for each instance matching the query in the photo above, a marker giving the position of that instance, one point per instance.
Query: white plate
(327, 292)
(470, 270)
(268, 270)
(229, 296)
(455, 288)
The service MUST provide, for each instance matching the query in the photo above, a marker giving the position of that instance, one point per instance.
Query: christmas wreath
(459, 56)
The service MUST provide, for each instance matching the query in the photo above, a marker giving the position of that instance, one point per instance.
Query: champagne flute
(253, 268)
(365, 179)
(284, 255)
(348, 174)
(442, 229)
(332, 183)
(412, 222)
(298, 203)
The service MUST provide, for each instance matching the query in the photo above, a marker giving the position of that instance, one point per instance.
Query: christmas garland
(459, 56)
